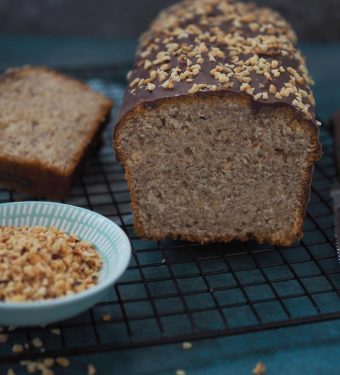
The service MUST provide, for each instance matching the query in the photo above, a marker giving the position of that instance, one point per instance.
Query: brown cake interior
(218, 168)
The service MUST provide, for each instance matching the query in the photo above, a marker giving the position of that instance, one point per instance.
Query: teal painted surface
(311, 349)
(64, 51)
(323, 61)
(292, 351)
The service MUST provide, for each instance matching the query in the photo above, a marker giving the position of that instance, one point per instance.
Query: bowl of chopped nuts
(56, 261)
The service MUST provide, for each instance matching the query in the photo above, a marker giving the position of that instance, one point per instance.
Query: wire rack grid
(175, 291)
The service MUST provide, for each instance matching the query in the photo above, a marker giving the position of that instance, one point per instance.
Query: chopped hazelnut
(37, 343)
(63, 362)
(186, 345)
(91, 370)
(150, 86)
(272, 89)
(256, 36)
(42, 276)
(147, 64)
(3, 338)
(17, 348)
(107, 317)
(134, 82)
(259, 369)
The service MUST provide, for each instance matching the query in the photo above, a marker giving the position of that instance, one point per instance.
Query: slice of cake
(217, 132)
(48, 123)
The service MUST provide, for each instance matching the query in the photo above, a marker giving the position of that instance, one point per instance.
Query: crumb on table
(259, 369)
(186, 345)
(62, 361)
(106, 317)
(91, 370)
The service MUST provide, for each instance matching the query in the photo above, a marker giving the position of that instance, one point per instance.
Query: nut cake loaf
(217, 131)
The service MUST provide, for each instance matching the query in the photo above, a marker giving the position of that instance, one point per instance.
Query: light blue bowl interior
(85, 224)
(108, 238)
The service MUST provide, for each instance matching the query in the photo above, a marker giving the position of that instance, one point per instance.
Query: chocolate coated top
(220, 45)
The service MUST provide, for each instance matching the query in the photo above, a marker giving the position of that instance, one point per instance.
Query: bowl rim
(88, 293)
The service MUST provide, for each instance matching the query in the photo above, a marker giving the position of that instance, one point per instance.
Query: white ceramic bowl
(109, 239)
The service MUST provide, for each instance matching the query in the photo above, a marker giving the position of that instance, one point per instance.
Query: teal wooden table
(313, 349)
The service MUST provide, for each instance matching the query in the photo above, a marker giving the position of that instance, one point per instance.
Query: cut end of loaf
(216, 169)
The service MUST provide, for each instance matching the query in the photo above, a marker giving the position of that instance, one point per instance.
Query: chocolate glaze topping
(206, 46)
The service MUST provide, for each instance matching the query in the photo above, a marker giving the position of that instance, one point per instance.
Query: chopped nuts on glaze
(40, 263)
(150, 86)
(214, 45)
(202, 87)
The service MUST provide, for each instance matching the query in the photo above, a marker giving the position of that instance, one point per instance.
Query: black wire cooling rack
(175, 291)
